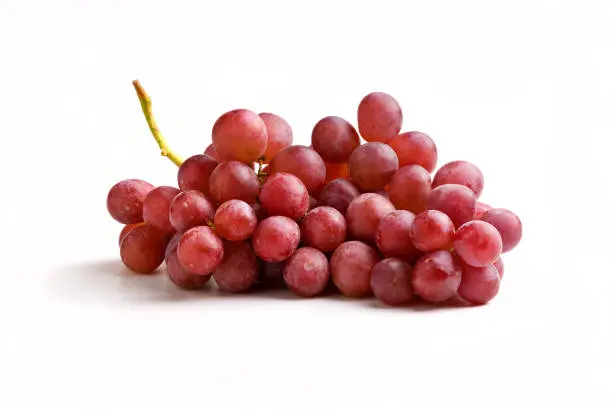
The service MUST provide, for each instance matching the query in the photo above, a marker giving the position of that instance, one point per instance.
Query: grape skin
(499, 265)
(479, 285)
(125, 200)
(339, 194)
(432, 230)
(212, 152)
(379, 117)
(507, 224)
(478, 243)
(284, 194)
(276, 238)
(460, 173)
(189, 209)
(351, 266)
(235, 220)
(142, 250)
(194, 173)
(156, 208)
(260, 212)
(391, 281)
(280, 135)
(393, 236)
(234, 180)
(127, 229)
(410, 188)
(372, 165)
(306, 272)
(173, 244)
(334, 139)
(302, 162)
(436, 276)
(199, 250)
(335, 171)
(239, 269)
(364, 213)
(183, 278)
(415, 148)
(324, 228)
(240, 135)
(457, 201)
(271, 275)
(481, 208)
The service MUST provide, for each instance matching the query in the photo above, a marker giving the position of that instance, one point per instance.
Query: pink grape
(481, 208)
(410, 188)
(271, 275)
(235, 220)
(436, 276)
(393, 236)
(156, 208)
(478, 243)
(189, 209)
(351, 266)
(238, 271)
(507, 224)
(280, 135)
(324, 228)
(460, 173)
(335, 171)
(432, 230)
(307, 272)
(379, 117)
(334, 139)
(200, 251)
(142, 249)
(339, 194)
(284, 194)
(372, 165)
(194, 173)
(240, 135)
(183, 278)
(234, 180)
(173, 244)
(457, 201)
(415, 148)
(391, 281)
(499, 265)
(212, 152)
(364, 213)
(126, 198)
(276, 238)
(479, 285)
(127, 229)
(302, 162)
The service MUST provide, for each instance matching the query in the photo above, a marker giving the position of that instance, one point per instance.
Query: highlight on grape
(357, 212)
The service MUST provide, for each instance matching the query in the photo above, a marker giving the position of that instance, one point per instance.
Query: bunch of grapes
(255, 211)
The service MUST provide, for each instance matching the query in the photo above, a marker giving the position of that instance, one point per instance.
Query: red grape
(280, 135)
(200, 251)
(436, 276)
(240, 135)
(481, 208)
(364, 213)
(212, 152)
(235, 220)
(335, 171)
(260, 212)
(460, 173)
(276, 238)
(142, 250)
(125, 199)
(334, 139)
(156, 208)
(391, 281)
(302, 162)
(415, 148)
(271, 275)
(173, 244)
(457, 201)
(372, 165)
(189, 209)
(339, 194)
(312, 203)
(127, 229)
(379, 117)
(393, 236)
(507, 224)
(284, 194)
(432, 230)
(351, 266)
(324, 228)
(194, 173)
(478, 243)
(479, 285)
(183, 278)
(234, 180)
(307, 272)
(410, 188)
(238, 270)
(499, 265)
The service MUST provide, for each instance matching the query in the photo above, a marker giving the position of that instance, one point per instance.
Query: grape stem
(145, 103)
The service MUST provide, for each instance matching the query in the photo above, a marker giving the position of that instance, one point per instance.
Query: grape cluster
(253, 211)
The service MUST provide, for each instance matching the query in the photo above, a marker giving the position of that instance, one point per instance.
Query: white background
(523, 89)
